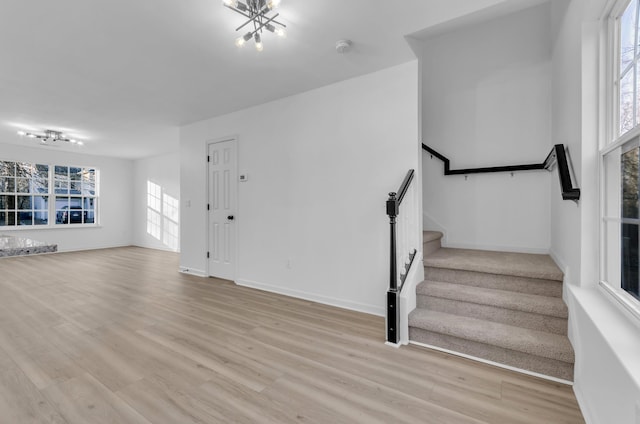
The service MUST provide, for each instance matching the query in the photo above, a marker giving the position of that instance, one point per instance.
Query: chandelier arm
(262, 25)
(246, 15)
(251, 19)
(238, 11)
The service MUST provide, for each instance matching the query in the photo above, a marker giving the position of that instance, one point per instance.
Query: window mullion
(634, 67)
(52, 200)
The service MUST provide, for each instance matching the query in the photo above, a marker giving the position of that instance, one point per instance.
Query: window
(620, 153)
(26, 190)
(24, 194)
(75, 190)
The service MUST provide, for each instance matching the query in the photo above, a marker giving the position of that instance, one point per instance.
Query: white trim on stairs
(585, 408)
(496, 248)
(495, 364)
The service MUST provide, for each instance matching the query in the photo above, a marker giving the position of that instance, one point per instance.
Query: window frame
(69, 195)
(52, 195)
(614, 139)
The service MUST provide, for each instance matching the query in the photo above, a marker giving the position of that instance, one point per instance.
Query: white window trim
(610, 141)
(52, 224)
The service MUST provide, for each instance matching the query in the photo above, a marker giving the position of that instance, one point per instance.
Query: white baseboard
(162, 248)
(340, 303)
(429, 223)
(192, 271)
(584, 406)
(495, 364)
(497, 248)
(98, 247)
(563, 267)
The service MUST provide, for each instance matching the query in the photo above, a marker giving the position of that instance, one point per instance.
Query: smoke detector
(343, 46)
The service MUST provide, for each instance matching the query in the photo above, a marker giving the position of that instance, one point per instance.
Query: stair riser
(509, 357)
(494, 281)
(523, 319)
(431, 246)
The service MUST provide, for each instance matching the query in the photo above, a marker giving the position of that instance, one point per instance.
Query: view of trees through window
(628, 80)
(630, 227)
(24, 194)
(26, 191)
(624, 166)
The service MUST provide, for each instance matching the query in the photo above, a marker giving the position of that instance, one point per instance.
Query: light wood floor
(119, 336)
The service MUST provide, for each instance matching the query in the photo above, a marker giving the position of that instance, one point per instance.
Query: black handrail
(402, 191)
(557, 155)
(393, 294)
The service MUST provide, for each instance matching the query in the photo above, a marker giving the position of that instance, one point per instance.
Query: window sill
(47, 227)
(629, 303)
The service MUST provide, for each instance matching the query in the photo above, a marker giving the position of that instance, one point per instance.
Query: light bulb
(281, 32)
(31, 135)
(80, 143)
(273, 4)
(22, 133)
(259, 45)
(72, 141)
(241, 40)
(230, 3)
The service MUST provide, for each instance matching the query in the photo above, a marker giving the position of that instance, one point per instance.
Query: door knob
(230, 217)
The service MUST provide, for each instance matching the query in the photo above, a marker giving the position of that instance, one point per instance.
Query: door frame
(208, 143)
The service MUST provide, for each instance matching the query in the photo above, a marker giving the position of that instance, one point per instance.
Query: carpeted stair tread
(543, 305)
(500, 263)
(431, 242)
(532, 342)
(428, 236)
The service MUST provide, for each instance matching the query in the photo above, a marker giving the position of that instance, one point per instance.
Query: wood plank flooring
(119, 336)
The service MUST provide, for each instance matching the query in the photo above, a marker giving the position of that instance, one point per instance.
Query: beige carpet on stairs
(498, 306)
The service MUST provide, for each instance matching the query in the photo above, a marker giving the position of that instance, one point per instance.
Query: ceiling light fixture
(256, 12)
(50, 136)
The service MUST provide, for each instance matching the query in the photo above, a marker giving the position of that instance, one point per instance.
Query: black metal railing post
(393, 313)
(392, 211)
(396, 282)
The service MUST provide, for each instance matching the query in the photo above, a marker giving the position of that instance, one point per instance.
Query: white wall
(320, 165)
(163, 170)
(116, 195)
(605, 338)
(486, 91)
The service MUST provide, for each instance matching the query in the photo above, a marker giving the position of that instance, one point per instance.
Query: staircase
(497, 306)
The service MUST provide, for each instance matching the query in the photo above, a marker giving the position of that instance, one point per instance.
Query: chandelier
(257, 14)
(50, 136)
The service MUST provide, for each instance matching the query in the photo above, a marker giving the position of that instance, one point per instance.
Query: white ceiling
(123, 75)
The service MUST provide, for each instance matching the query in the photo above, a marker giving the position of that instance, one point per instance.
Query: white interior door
(222, 208)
